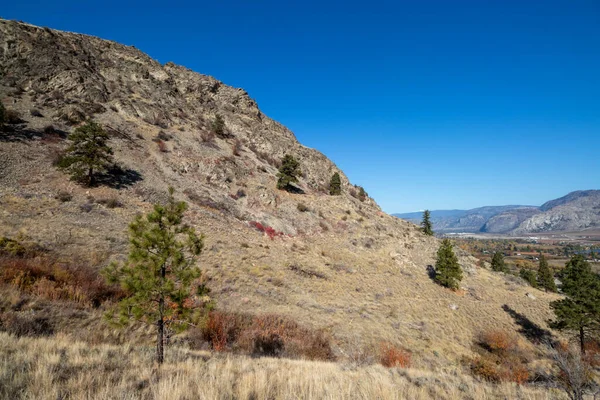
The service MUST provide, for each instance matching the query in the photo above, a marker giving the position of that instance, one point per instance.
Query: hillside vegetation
(332, 271)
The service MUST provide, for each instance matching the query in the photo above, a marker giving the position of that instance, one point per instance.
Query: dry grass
(40, 368)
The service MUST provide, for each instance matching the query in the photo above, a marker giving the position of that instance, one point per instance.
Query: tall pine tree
(88, 153)
(447, 270)
(426, 223)
(159, 271)
(545, 278)
(579, 312)
(335, 185)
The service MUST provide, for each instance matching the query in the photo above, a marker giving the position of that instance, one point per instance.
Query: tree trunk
(91, 176)
(160, 339)
(160, 347)
(581, 340)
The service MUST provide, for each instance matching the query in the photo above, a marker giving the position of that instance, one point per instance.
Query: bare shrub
(207, 136)
(26, 324)
(575, 375)
(265, 335)
(64, 196)
(110, 202)
(162, 146)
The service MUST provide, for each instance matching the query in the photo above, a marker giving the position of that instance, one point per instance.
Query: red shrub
(392, 356)
(271, 233)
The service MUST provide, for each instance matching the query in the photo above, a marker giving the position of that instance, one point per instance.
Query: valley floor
(58, 368)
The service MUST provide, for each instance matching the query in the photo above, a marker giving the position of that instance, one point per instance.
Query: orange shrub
(392, 356)
(498, 342)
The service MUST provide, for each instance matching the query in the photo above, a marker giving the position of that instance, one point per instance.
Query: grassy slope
(61, 368)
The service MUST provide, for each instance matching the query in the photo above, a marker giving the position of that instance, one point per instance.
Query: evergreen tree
(288, 172)
(88, 153)
(545, 278)
(335, 185)
(447, 270)
(426, 223)
(580, 310)
(218, 126)
(159, 271)
(529, 276)
(498, 264)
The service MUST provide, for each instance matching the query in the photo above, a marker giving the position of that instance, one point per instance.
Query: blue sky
(427, 104)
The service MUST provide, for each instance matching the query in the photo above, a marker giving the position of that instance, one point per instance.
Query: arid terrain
(333, 264)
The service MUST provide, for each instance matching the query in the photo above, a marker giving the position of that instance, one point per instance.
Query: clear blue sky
(427, 104)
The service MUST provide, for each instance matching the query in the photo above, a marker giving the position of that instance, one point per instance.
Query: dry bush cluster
(35, 272)
(394, 356)
(263, 335)
(501, 358)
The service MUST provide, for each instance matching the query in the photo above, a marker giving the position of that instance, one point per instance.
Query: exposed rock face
(508, 220)
(576, 211)
(78, 76)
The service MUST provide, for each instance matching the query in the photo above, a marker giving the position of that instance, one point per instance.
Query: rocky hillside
(332, 262)
(574, 212)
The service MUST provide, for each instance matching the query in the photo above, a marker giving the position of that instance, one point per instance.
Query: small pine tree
(335, 185)
(426, 223)
(88, 153)
(545, 278)
(529, 276)
(498, 264)
(579, 312)
(288, 172)
(218, 126)
(159, 271)
(447, 270)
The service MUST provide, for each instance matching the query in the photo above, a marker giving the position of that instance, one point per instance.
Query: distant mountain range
(577, 211)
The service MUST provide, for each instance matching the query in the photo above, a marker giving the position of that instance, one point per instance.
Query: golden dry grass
(35, 368)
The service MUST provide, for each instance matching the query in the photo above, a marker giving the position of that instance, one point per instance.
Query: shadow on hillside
(294, 189)
(20, 133)
(532, 331)
(118, 178)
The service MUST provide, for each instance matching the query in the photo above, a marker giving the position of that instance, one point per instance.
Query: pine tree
(159, 271)
(545, 278)
(288, 172)
(426, 223)
(447, 270)
(580, 310)
(335, 185)
(88, 153)
(498, 264)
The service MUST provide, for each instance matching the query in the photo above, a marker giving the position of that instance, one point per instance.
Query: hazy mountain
(576, 211)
